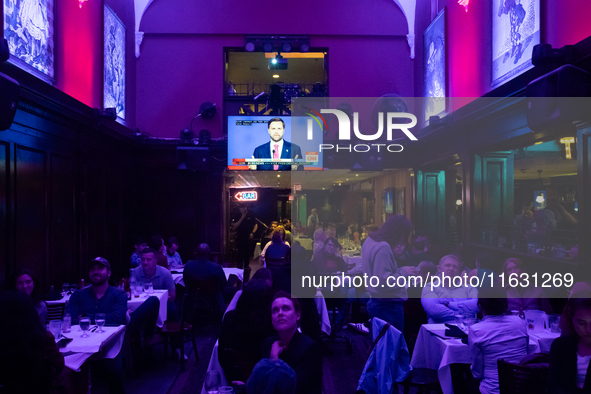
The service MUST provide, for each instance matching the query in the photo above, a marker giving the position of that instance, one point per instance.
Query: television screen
(267, 143)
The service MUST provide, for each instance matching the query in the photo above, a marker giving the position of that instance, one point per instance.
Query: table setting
(438, 346)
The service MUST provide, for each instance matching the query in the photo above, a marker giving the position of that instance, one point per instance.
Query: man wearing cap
(99, 297)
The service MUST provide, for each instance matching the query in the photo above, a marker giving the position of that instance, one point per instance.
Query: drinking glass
(84, 326)
(212, 382)
(459, 320)
(65, 289)
(99, 319)
(150, 288)
(138, 291)
(55, 327)
(226, 390)
(554, 323)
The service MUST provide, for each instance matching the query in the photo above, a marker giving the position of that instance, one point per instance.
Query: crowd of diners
(265, 331)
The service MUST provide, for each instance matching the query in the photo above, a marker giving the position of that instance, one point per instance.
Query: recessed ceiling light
(278, 176)
(347, 179)
(275, 75)
(356, 174)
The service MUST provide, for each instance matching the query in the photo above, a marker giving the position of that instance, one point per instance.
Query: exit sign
(246, 196)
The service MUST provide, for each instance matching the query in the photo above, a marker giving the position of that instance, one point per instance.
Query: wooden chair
(55, 312)
(181, 329)
(522, 379)
(203, 303)
(424, 379)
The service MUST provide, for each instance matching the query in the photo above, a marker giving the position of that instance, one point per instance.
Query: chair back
(276, 261)
(55, 312)
(521, 379)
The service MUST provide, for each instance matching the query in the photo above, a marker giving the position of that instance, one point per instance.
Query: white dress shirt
(462, 299)
(495, 337)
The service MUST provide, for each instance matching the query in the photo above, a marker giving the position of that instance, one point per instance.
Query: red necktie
(276, 155)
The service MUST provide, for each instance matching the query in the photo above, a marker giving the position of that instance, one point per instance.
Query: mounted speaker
(558, 98)
(193, 158)
(10, 91)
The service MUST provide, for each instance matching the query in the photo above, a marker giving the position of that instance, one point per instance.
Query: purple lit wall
(181, 62)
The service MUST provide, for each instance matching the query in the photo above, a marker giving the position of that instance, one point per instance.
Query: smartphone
(64, 342)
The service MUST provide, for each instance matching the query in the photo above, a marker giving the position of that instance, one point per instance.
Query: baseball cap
(102, 261)
(271, 377)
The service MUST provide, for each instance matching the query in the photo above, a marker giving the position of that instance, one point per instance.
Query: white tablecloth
(162, 295)
(305, 242)
(105, 345)
(322, 312)
(437, 353)
(214, 365)
(236, 271)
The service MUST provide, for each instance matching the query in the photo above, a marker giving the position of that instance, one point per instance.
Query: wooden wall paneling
(31, 198)
(114, 219)
(5, 191)
(494, 188)
(431, 203)
(584, 193)
(63, 260)
(94, 228)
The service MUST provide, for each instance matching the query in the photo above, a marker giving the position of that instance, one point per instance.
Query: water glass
(138, 290)
(459, 320)
(65, 289)
(212, 382)
(148, 288)
(84, 326)
(55, 327)
(554, 323)
(67, 324)
(99, 320)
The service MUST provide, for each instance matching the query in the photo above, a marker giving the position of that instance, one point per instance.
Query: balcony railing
(559, 244)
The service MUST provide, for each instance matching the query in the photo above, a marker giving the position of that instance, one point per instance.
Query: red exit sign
(246, 196)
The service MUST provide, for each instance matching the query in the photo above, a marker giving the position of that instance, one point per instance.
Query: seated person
(26, 282)
(485, 266)
(157, 243)
(328, 260)
(205, 269)
(136, 257)
(297, 350)
(29, 356)
(99, 297)
(570, 354)
(260, 274)
(496, 336)
(251, 319)
(281, 245)
(523, 298)
(272, 377)
(443, 302)
(173, 257)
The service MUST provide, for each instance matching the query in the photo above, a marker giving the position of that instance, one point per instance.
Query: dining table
(162, 296)
(99, 345)
(435, 350)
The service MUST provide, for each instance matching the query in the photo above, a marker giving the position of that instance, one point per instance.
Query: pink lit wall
(469, 40)
(79, 51)
(181, 63)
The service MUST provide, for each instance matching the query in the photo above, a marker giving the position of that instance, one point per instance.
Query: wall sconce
(458, 202)
(80, 2)
(540, 198)
(464, 3)
(567, 141)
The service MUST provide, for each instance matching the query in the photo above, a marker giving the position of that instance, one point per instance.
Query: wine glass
(99, 319)
(212, 382)
(84, 326)
(65, 289)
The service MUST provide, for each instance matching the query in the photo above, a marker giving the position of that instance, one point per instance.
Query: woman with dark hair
(297, 350)
(29, 357)
(378, 251)
(26, 282)
(570, 354)
(496, 336)
(244, 330)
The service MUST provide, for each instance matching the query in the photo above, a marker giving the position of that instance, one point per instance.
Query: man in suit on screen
(276, 148)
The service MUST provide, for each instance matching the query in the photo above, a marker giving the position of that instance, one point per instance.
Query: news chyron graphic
(265, 143)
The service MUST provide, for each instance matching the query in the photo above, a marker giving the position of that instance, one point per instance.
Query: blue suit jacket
(290, 151)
